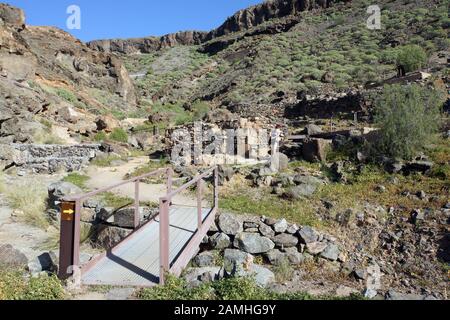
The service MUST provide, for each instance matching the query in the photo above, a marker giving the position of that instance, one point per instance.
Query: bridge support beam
(163, 239)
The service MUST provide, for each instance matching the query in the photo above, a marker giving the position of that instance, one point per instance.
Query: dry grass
(2, 182)
(29, 202)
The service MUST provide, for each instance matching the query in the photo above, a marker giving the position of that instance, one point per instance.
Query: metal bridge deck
(135, 262)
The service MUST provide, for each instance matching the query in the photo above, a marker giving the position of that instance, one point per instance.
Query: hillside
(314, 53)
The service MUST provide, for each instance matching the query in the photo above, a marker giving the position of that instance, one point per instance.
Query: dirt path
(103, 177)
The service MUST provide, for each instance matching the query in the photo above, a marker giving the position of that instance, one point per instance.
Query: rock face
(33, 59)
(240, 21)
(11, 15)
(149, 44)
(48, 158)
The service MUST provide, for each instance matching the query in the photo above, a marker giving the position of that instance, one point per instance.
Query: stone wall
(47, 158)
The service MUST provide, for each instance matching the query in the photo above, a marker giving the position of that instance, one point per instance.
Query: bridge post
(216, 188)
(199, 203)
(69, 246)
(163, 239)
(169, 181)
(137, 218)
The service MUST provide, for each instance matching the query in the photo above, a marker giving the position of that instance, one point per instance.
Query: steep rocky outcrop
(43, 69)
(148, 44)
(242, 20)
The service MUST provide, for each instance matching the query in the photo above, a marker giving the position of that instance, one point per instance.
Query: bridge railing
(203, 225)
(71, 208)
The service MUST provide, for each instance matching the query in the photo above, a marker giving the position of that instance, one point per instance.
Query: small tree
(408, 117)
(412, 57)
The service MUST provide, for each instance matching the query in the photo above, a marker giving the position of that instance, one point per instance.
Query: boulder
(236, 262)
(266, 231)
(306, 186)
(11, 257)
(88, 215)
(59, 190)
(204, 259)
(225, 174)
(331, 252)
(308, 235)
(312, 129)
(230, 224)
(262, 276)
(220, 241)
(276, 257)
(280, 226)
(253, 243)
(281, 160)
(193, 275)
(47, 261)
(292, 229)
(108, 236)
(418, 166)
(293, 256)
(106, 123)
(315, 150)
(67, 113)
(316, 248)
(285, 240)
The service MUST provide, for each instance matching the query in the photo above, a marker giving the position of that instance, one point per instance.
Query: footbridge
(163, 245)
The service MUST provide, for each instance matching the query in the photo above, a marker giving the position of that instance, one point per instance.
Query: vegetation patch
(77, 179)
(29, 202)
(408, 117)
(225, 289)
(119, 135)
(15, 286)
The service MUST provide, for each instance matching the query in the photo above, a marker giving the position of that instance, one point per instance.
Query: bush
(411, 57)
(119, 135)
(407, 117)
(66, 95)
(14, 286)
(100, 136)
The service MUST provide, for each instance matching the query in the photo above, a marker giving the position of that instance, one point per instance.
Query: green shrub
(14, 286)
(100, 136)
(66, 95)
(77, 179)
(412, 57)
(119, 135)
(408, 117)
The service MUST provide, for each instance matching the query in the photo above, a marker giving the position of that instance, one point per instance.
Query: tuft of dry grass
(2, 182)
(29, 202)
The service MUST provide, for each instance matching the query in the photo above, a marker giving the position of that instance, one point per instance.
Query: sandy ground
(103, 177)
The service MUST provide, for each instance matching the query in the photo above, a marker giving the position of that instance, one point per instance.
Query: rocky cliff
(44, 70)
(241, 21)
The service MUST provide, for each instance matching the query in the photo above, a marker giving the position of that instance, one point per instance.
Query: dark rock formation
(148, 44)
(241, 21)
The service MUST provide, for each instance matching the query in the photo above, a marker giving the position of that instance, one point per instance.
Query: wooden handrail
(170, 195)
(164, 219)
(132, 180)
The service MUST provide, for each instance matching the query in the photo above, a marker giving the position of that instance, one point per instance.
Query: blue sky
(102, 19)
